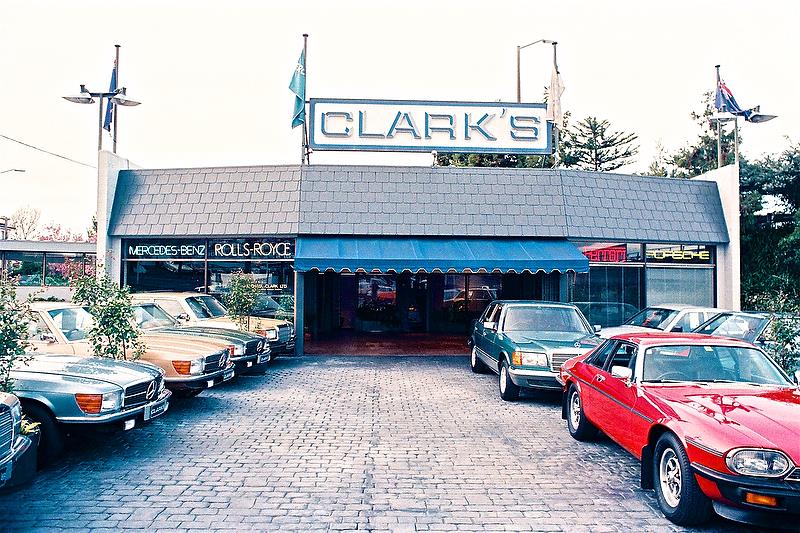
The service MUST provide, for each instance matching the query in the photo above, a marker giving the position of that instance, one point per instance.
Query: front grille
(6, 431)
(212, 362)
(559, 358)
(284, 332)
(794, 476)
(137, 394)
(251, 347)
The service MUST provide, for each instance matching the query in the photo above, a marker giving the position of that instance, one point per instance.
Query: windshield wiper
(666, 381)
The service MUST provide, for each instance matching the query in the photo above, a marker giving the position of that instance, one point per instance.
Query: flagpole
(719, 129)
(304, 155)
(555, 126)
(114, 111)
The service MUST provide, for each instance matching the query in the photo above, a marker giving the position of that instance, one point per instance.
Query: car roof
(49, 306)
(533, 302)
(666, 338)
(681, 307)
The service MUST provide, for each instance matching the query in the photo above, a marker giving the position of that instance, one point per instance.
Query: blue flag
(110, 107)
(298, 87)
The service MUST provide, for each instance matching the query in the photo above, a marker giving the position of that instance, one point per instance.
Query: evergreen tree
(592, 145)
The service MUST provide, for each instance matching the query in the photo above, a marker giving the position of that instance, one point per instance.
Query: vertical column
(299, 308)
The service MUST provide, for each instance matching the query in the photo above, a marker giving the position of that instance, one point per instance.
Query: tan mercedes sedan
(191, 364)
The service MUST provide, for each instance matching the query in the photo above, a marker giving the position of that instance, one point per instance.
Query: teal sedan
(526, 342)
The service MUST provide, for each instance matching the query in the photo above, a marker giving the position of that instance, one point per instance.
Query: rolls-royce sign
(420, 126)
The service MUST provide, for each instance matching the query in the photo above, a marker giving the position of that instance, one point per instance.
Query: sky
(213, 76)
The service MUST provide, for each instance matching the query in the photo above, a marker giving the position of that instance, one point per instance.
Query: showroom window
(25, 267)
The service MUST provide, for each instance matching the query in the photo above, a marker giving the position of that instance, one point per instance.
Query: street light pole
(519, 50)
(115, 111)
(117, 97)
(12, 170)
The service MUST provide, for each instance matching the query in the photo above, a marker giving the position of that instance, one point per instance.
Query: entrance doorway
(407, 313)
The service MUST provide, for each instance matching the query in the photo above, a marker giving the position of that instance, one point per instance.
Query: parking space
(321, 443)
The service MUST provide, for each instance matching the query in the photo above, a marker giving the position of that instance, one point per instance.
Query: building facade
(422, 249)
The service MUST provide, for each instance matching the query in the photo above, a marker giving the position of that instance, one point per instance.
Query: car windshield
(711, 363)
(74, 322)
(206, 307)
(151, 316)
(652, 317)
(551, 323)
(266, 303)
(746, 327)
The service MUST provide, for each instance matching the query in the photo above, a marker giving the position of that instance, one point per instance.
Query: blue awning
(399, 254)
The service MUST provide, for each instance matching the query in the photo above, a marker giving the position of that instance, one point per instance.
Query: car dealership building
(397, 250)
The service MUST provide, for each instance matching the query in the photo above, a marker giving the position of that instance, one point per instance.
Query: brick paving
(338, 443)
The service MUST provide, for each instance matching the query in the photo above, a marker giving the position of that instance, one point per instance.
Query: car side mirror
(183, 316)
(677, 329)
(490, 325)
(622, 372)
(49, 338)
(597, 328)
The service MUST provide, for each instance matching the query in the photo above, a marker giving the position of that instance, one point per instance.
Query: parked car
(190, 364)
(250, 351)
(13, 444)
(714, 421)
(669, 317)
(59, 391)
(197, 309)
(280, 306)
(525, 342)
(473, 300)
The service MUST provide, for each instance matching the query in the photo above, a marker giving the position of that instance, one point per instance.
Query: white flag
(554, 93)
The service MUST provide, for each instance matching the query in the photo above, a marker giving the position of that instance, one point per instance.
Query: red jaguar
(714, 421)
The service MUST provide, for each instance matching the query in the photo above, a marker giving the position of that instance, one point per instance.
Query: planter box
(25, 466)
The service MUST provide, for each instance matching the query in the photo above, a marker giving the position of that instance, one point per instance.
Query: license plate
(227, 375)
(210, 383)
(7, 471)
(153, 410)
(263, 358)
(249, 364)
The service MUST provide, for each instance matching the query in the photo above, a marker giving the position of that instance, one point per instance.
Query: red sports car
(714, 421)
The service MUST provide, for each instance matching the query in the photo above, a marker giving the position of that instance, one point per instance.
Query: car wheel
(508, 390)
(475, 363)
(51, 437)
(579, 426)
(677, 492)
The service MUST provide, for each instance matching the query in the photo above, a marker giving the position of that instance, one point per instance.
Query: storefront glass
(59, 268)
(691, 286)
(25, 268)
(143, 276)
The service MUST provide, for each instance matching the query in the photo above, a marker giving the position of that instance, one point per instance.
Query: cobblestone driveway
(320, 443)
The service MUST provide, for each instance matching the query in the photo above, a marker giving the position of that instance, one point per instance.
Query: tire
(677, 492)
(51, 439)
(477, 366)
(579, 426)
(508, 390)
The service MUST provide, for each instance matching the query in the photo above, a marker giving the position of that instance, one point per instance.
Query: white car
(669, 317)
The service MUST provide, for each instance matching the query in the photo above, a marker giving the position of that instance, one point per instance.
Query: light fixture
(12, 170)
(122, 99)
(83, 97)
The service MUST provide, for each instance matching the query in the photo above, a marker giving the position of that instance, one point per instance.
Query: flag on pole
(554, 93)
(724, 102)
(110, 107)
(298, 87)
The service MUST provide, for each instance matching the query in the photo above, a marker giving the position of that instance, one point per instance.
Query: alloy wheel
(670, 477)
(575, 409)
(503, 377)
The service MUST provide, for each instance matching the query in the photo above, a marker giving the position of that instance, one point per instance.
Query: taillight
(89, 403)
(182, 367)
(231, 350)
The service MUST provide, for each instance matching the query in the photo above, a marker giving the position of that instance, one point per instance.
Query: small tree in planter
(15, 315)
(114, 333)
(241, 298)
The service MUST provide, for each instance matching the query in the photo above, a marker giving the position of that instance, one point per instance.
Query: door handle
(599, 378)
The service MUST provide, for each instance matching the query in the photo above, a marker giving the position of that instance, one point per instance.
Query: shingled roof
(420, 201)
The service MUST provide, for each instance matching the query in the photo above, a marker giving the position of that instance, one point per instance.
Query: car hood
(726, 415)
(223, 333)
(580, 342)
(607, 333)
(255, 323)
(112, 371)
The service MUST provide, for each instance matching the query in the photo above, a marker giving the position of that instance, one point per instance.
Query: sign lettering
(423, 126)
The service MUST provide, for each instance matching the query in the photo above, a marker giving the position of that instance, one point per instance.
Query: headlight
(95, 404)
(271, 334)
(197, 365)
(519, 358)
(238, 349)
(762, 463)
(16, 418)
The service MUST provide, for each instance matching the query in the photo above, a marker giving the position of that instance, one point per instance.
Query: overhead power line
(46, 151)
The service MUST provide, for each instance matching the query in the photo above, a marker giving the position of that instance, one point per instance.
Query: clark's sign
(420, 126)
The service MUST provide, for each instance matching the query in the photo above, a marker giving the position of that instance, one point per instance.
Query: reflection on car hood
(530, 341)
(737, 414)
(210, 332)
(112, 371)
(607, 333)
